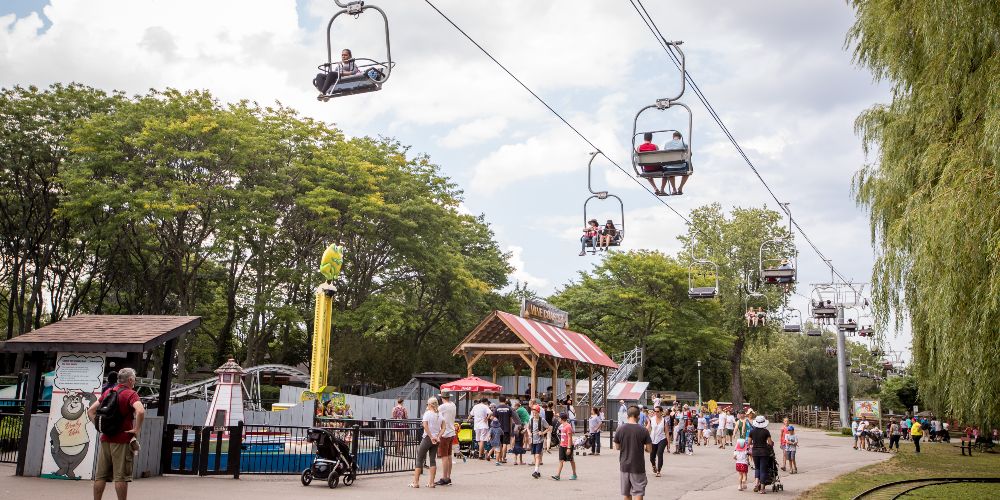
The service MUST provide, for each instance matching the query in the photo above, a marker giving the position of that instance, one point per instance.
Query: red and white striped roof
(628, 391)
(557, 342)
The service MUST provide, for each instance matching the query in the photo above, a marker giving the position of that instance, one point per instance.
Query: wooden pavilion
(525, 343)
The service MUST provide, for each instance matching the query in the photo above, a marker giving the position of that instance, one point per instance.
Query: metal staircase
(628, 362)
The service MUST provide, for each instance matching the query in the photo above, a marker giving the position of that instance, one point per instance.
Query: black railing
(10, 436)
(205, 451)
(380, 447)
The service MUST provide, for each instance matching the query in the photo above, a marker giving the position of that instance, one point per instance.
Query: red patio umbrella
(471, 384)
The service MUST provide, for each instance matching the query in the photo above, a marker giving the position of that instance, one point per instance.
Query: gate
(202, 450)
(10, 436)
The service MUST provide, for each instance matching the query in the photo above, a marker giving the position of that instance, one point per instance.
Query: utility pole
(845, 411)
(699, 384)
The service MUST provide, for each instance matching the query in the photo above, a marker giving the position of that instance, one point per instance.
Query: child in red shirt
(565, 446)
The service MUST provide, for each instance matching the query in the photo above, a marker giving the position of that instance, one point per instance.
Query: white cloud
(474, 132)
(520, 274)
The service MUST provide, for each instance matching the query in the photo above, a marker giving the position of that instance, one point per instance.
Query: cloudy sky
(777, 71)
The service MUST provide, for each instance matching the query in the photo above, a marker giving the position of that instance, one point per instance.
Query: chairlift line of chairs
(347, 76)
(793, 321)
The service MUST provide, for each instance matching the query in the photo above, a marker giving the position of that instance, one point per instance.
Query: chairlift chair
(776, 271)
(702, 267)
(370, 75)
(793, 321)
(664, 162)
(603, 195)
(821, 302)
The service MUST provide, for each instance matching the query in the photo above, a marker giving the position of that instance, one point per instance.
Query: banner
(867, 409)
(70, 435)
(539, 310)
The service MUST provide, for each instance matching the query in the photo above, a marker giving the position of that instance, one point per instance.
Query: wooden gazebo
(525, 343)
(132, 335)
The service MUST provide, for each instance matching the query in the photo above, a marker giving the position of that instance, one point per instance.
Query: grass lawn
(934, 460)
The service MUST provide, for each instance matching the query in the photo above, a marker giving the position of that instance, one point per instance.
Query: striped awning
(556, 342)
(628, 391)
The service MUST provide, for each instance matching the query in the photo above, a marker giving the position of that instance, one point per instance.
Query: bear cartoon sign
(72, 439)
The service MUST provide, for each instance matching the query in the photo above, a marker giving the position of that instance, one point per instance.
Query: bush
(845, 431)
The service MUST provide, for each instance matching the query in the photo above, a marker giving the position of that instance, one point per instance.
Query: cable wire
(658, 35)
(556, 113)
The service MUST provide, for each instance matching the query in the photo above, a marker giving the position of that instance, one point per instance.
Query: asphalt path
(709, 473)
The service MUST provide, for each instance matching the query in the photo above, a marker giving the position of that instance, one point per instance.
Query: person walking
(505, 415)
(565, 446)
(432, 426)
(632, 440)
(791, 447)
(781, 443)
(894, 434)
(481, 425)
(539, 430)
(594, 427)
(115, 452)
(447, 411)
(657, 429)
(741, 455)
(762, 450)
(916, 432)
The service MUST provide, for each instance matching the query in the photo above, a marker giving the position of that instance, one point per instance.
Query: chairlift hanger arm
(356, 9)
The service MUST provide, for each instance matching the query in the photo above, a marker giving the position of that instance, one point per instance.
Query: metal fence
(377, 446)
(10, 436)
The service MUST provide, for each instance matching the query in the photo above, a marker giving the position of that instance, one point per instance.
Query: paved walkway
(708, 474)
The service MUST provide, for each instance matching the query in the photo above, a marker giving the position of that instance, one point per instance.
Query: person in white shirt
(447, 410)
(480, 413)
(720, 431)
(432, 426)
(622, 415)
(730, 428)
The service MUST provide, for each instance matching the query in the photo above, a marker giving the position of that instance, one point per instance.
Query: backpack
(109, 419)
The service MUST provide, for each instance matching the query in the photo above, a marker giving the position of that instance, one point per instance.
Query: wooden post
(31, 394)
(590, 392)
(494, 372)
(555, 377)
(517, 378)
(534, 376)
(573, 391)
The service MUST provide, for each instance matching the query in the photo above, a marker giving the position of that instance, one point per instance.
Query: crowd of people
(869, 436)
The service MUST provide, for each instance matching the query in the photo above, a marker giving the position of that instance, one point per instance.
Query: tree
(734, 244)
(930, 188)
(639, 298)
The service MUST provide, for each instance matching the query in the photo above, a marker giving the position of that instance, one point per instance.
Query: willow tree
(931, 185)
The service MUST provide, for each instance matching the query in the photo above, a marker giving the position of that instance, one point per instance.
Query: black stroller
(333, 461)
(770, 466)
(876, 442)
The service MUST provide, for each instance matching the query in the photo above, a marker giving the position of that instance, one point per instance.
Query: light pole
(699, 384)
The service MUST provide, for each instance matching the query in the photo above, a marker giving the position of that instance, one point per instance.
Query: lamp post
(699, 384)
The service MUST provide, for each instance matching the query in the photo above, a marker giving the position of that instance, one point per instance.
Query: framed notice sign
(70, 435)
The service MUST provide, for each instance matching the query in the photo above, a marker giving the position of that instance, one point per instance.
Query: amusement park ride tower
(330, 265)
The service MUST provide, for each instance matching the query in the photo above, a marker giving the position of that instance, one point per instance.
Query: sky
(777, 71)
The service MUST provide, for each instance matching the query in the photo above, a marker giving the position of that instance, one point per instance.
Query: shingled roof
(103, 333)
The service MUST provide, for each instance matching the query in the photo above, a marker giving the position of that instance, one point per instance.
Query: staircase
(628, 362)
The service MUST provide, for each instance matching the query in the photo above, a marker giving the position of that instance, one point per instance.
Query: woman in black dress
(762, 450)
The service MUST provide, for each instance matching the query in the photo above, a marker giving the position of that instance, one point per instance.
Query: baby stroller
(333, 459)
(770, 466)
(876, 442)
(466, 439)
(582, 444)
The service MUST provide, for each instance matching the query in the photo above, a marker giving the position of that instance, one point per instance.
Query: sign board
(71, 435)
(539, 310)
(867, 409)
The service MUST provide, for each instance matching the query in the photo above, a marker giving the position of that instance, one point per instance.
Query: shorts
(729, 432)
(633, 484)
(742, 468)
(518, 450)
(114, 462)
(536, 448)
(483, 434)
(565, 454)
(505, 438)
(791, 455)
(444, 447)
(708, 433)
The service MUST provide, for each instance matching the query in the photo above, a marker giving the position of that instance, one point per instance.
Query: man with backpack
(118, 416)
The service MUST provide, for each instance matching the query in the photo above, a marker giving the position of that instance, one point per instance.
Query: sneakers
(536, 474)
(555, 477)
(442, 482)
(573, 477)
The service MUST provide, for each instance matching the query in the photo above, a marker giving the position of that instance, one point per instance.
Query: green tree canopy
(931, 188)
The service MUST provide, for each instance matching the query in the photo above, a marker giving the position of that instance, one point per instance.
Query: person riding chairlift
(590, 235)
(608, 234)
(676, 143)
(345, 68)
(647, 145)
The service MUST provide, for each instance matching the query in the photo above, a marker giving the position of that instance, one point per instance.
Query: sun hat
(760, 422)
(741, 444)
(791, 428)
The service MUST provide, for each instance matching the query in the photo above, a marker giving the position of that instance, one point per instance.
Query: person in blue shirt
(676, 143)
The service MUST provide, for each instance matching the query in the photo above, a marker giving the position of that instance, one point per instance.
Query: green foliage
(733, 243)
(931, 189)
(174, 203)
(899, 394)
(639, 298)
